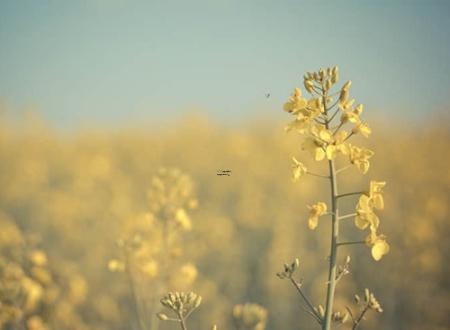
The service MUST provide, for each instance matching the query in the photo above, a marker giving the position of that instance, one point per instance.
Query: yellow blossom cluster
(325, 137)
(366, 217)
(249, 317)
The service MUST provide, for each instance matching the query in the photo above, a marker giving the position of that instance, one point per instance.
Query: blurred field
(66, 200)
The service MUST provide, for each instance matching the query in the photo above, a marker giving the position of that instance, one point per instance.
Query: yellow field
(84, 224)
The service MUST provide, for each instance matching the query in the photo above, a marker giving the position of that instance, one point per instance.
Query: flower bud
(344, 95)
(358, 109)
(347, 85)
(309, 85)
(162, 316)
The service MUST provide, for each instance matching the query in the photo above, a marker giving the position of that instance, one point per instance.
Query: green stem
(311, 307)
(183, 323)
(331, 287)
(351, 215)
(136, 303)
(350, 194)
(333, 250)
(351, 243)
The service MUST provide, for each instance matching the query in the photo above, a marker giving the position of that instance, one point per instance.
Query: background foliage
(66, 200)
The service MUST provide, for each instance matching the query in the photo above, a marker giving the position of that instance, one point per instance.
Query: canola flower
(71, 197)
(152, 268)
(326, 138)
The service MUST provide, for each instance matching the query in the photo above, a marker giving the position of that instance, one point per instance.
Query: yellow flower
(315, 211)
(360, 157)
(314, 147)
(38, 257)
(298, 169)
(375, 194)
(365, 216)
(379, 245)
(150, 268)
(115, 265)
(300, 124)
(362, 128)
(189, 273)
(296, 102)
(183, 219)
(338, 145)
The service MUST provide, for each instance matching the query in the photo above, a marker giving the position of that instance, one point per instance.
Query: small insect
(224, 172)
(267, 95)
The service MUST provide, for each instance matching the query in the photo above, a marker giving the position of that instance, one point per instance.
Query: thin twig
(358, 321)
(311, 307)
(343, 169)
(350, 194)
(351, 215)
(318, 175)
(350, 243)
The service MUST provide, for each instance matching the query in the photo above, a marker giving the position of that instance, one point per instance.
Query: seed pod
(321, 311)
(328, 84)
(367, 295)
(197, 302)
(162, 316)
(357, 299)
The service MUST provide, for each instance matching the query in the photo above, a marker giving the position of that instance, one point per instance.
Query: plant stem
(133, 290)
(313, 311)
(318, 175)
(351, 243)
(350, 194)
(183, 323)
(358, 321)
(333, 250)
(351, 215)
(326, 325)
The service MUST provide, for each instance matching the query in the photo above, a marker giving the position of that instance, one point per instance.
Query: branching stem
(350, 243)
(182, 322)
(350, 194)
(351, 215)
(331, 287)
(318, 175)
(343, 169)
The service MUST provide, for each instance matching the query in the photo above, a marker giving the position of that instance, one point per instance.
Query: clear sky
(115, 61)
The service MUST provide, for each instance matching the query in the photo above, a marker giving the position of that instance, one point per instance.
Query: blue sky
(123, 61)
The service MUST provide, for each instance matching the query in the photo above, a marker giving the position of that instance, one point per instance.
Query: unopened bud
(358, 109)
(308, 85)
(367, 295)
(162, 316)
(347, 85)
